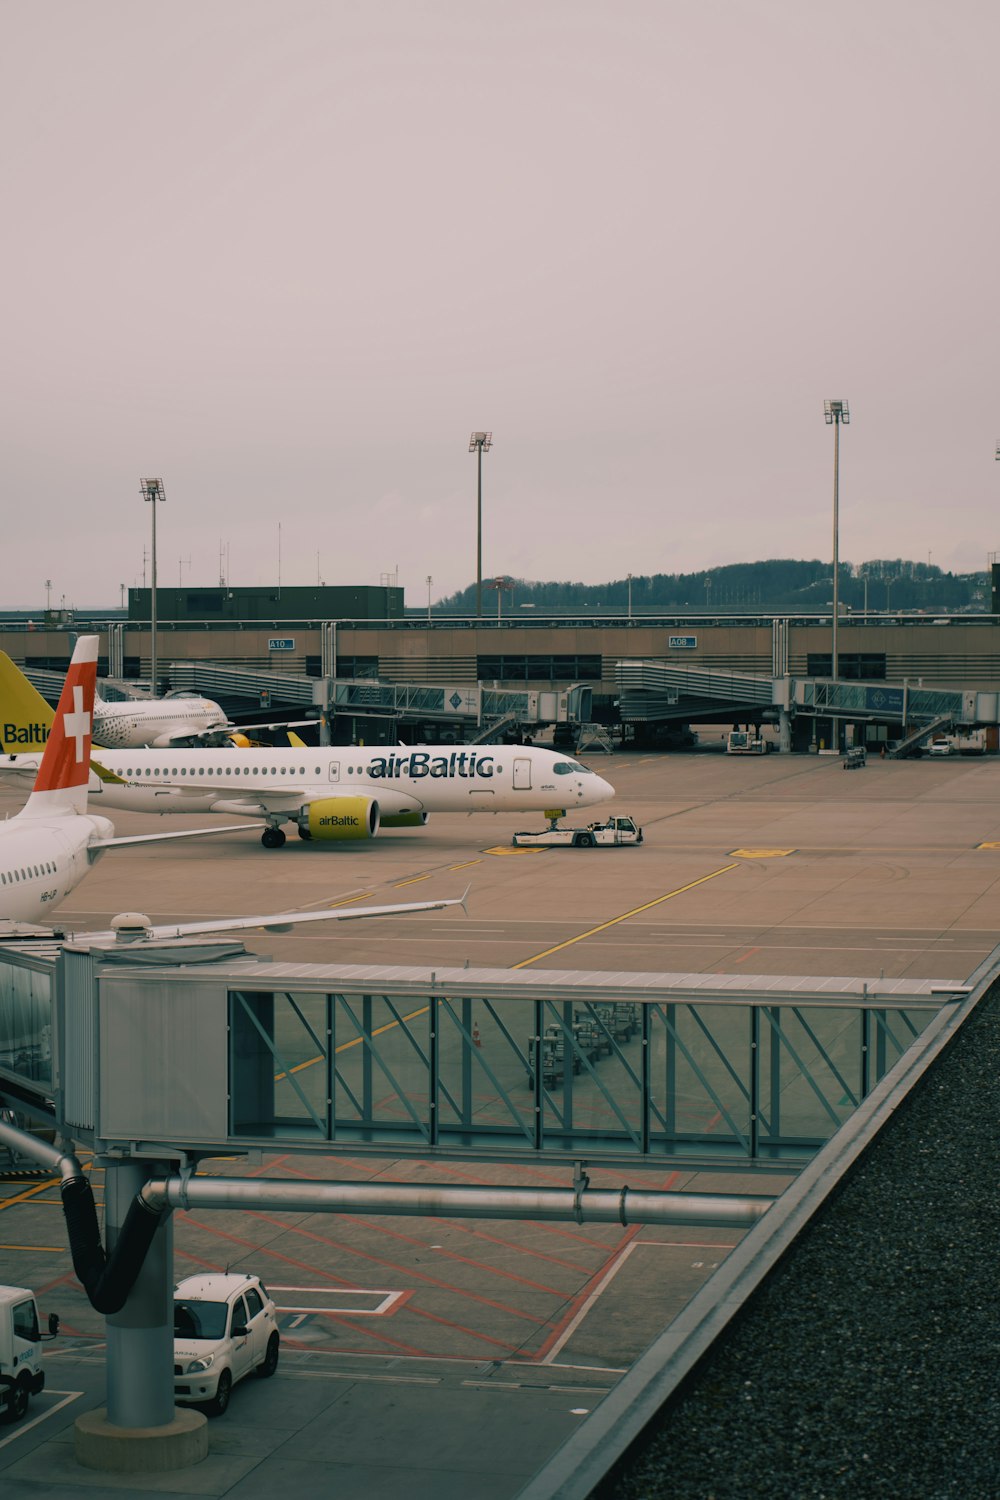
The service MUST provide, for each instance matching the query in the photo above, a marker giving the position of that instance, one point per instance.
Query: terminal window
(538, 668)
(362, 667)
(854, 666)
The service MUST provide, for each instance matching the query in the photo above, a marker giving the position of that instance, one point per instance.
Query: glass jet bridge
(212, 1052)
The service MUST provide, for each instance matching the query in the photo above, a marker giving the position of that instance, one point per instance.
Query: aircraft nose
(605, 791)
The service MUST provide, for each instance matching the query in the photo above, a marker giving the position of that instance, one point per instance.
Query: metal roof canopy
(579, 985)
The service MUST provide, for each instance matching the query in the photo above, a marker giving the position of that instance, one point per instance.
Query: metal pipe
(434, 1200)
(63, 1162)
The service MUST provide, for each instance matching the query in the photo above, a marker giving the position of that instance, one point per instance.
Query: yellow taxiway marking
(509, 849)
(760, 853)
(412, 881)
(466, 865)
(39, 1187)
(311, 1062)
(49, 1249)
(647, 906)
(992, 844)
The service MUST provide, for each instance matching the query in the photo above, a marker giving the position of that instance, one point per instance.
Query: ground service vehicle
(225, 1325)
(614, 831)
(745, 742)
(21, 1374)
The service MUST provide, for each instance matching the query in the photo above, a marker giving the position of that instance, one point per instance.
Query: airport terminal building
(644, 676)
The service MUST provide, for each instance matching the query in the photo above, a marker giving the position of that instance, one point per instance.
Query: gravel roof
(867, 1364)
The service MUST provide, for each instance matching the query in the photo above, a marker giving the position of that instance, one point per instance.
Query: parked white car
(225, 1325)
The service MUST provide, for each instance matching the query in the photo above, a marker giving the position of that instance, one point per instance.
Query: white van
(21, 1374)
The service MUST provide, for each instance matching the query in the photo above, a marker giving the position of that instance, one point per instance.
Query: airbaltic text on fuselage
(26, 734)
(420, 763)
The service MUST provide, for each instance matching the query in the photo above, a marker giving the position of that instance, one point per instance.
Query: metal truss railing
(611, 1080)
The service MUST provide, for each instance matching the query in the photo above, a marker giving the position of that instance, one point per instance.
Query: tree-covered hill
(781, 585)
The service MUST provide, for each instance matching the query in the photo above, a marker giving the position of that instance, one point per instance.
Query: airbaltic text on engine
(459, 763)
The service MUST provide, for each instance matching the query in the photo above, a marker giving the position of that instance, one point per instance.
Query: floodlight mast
(477, 443)
(152, 491)
(836, 412)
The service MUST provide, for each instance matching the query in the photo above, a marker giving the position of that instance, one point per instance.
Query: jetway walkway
(652, 691)
(704, 1069)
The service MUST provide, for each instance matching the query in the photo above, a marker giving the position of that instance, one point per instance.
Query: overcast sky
(288, 255)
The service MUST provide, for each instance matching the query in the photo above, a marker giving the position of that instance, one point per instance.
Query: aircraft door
(522, 773)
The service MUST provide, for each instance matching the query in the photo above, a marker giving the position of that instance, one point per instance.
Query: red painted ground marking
(463, 1260)
(461, 1328)
(406, 1272)
(577, 1302)
(748, 954)
(50, 1286)
(492, 1239)
(371, 1333)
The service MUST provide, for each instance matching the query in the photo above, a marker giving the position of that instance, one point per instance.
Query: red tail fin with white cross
(61, 784)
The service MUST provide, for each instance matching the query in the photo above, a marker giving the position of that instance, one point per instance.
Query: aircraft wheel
(272, 838)
(304, 833)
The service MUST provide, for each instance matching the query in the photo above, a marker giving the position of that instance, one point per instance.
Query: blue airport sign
(682, 642)
(885, 700)
(281, 643)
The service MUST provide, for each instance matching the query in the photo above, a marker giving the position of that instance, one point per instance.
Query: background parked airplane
(48, 847)
(26, 718)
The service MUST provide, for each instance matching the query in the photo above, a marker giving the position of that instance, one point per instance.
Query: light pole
(630, 596)
(430, 580)
(500, 584)
(836, 412)
(152, 491)
(477, 443)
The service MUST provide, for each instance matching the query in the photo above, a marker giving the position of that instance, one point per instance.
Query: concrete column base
(148, 1450)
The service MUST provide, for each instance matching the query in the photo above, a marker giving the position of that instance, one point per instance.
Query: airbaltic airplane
(26, 718)
(343, 793)
(48, 847)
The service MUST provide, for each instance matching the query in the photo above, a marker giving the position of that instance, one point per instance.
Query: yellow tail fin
(25, 717)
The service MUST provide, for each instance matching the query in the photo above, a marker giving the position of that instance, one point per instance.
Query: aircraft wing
(284, 921)
(179, 738)
(158, 838)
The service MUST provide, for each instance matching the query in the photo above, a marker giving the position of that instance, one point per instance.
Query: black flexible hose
(107, 1280)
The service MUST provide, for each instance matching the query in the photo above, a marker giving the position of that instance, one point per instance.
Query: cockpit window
(571, 768)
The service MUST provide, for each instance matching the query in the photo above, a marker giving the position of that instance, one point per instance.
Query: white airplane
(341, 793)
(48, 847)
(344, 793)
(27, 718)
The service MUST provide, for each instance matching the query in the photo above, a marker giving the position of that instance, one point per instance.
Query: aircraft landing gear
(272, 838)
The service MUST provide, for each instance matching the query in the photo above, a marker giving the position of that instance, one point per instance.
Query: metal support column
(141, 1337)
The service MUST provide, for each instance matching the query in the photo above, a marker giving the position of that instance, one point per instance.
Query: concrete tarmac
(426, 1358)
